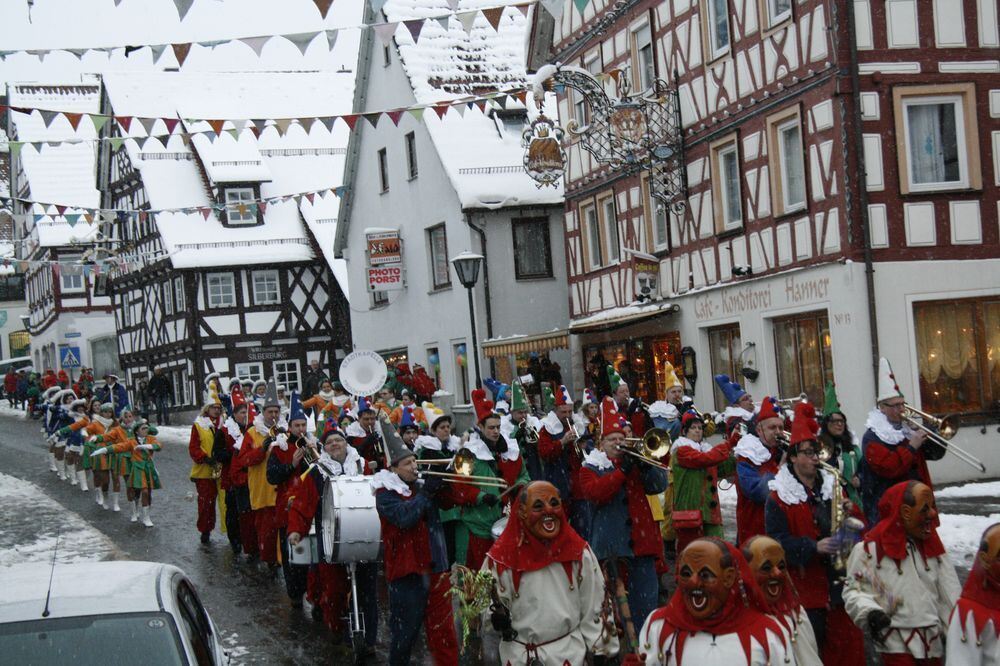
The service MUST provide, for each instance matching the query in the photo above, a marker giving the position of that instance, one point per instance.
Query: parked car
(104, 612)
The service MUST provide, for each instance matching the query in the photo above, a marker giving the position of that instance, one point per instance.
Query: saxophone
(844, 528)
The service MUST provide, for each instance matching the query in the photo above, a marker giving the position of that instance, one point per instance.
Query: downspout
(859, 168)
(486, 284)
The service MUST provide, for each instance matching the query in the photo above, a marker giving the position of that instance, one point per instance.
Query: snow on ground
(7, 410)
(173, 434)
(31, 535)
(960, 534)
(989, 489)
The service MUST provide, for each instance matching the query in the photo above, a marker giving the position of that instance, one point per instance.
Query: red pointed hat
(484, 407)
(562, 396)
(236, 395)
(769, 409)
(804, 426)
(690, 417)
(610, 418)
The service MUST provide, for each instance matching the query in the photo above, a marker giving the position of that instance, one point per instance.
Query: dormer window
(240, 208)
(511, 122)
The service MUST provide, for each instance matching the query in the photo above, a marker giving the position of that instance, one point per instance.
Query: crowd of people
(597, 523)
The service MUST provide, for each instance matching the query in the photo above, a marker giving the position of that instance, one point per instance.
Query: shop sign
(385, 278)
(266, 354)
(385, 260)
(759, 297)
(646, 276)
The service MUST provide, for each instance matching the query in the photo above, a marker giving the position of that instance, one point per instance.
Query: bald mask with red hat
(770, 422)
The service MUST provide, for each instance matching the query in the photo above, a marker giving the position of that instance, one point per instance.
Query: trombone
(940, 430)
(459, 470)
(788, 403)
(450, 477)
(577, 437)
(651, 448)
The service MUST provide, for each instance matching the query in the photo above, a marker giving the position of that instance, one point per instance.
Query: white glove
(281, 441)
(99, 452)
(145, 447)
(51, 438)
(92, 438)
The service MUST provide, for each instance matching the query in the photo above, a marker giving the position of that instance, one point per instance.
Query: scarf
(385, 479)
(235, 431)
(329, 467)
(597, 458)
(745, 613)
(326, 395)
(520, 552)
(889, 535)
(791, 491)
(664, 410)
(354, 429)
(980, 599)
(751, 448)
(104, 421)
(885, 431)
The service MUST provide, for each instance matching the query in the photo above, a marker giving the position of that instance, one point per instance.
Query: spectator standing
(142, 398)
(313, 379)
(161, 392)
(10, 386)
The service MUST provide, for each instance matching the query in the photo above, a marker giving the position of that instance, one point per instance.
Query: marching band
(586, 533)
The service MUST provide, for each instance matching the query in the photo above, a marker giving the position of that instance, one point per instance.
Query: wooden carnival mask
(920, 519)
(703, 581)
(541, 510)
(767, 561)
(989, 555)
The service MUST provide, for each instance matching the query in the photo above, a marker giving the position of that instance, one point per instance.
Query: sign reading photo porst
(384, 254)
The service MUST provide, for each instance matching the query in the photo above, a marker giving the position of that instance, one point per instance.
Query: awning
(526, 343)
(616, 318)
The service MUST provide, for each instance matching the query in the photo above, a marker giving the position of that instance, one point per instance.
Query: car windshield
(150, 639)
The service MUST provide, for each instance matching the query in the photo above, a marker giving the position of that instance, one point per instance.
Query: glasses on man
(895, 405)
(809, 453)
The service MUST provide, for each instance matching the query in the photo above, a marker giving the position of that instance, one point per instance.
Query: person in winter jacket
(113, 392)
(758, 458)
(160, 392)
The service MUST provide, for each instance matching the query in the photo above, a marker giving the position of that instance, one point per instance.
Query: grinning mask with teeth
(541, 510)
(768, 565)
(920, 518)
(989, 556)
(703, 580)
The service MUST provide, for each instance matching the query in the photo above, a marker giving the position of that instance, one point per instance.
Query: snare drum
(352, 531)
(306, 551)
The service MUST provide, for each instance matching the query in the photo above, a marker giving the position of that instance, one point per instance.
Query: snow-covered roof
(65, 173)
(482, 159)
(282, 165)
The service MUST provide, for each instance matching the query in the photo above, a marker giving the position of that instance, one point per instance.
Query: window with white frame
(579, 108)
(251, 371)
(221, 290)
(411, 155)
(645, 62)
(777, 11)
(179, 300)
(286, 373)
(717, 26)
(658, 219)
(168, 297)
(266, 289)
(592, 235)
(726, 185)
(70, 275)
(383, 170)
(239, 206)
(788, 174)
(610, 224)
(437, 242)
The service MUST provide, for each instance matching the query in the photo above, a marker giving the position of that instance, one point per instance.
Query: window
(195, 624)
(717, 27)
(512, 123)
(957, 343)
(386, 55)
(179, 293)
(461, 371)
(726, 185)
(411, 155)
(383, 170)
(657, 219)
(777, 11)
(610, 225)
(440, 270)
(434, 365)
(724, 347)
(579, 108)
(266, 290)
(940, 137)
(251, 371)
(788, 176)
(804, 354)
(645, 61)
(221, 290)
(592, 235)
(286, 373)
(104, 355)
(380, 298)
(70, 274)
(19, 343)
(240, 209)
(532, 251)
(168, 298)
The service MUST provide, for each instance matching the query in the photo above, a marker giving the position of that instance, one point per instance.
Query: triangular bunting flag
(521, 96)
(256, 43)
(302, 40)
(555, 8)
(395, 115)
(453, 5)
(282, 124)
(385, 31)
(259, 125)
(181, 52)
(331, 38)
(340, 191)
(205, 212)
(328, 122)
(467, 19)
(443, 21)
(116, 142)
(233, 132)
(262, 206)
(171, 124)
(157, 51)
(74, 119)
(493, 15)
(60, 208)
(216, 125)
(48, 117)
(350, 119)
(41, 53)
(414, 26)
(441, 109)
(523, 9)
(147, 124)
(310, 196)
(581, 5)
(183, 6)
(323, 6)
(372, 118)
(79, 53)
(15, 148)
(72, 219)
(307, 123)
(99, 121)
(417, 113)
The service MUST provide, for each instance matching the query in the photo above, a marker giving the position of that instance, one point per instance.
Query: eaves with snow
(483, 158)
(297, 161)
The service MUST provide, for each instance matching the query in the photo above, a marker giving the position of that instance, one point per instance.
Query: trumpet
(309, 454)
(788, 403)
(941, 430)
(651, 448)
(709, 428)
(577, 436)
(530, 432)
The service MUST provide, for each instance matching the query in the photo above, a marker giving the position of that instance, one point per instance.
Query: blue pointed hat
(497, 388)
(407, 417)
(730, 389)
(363, 405)
(295, 411)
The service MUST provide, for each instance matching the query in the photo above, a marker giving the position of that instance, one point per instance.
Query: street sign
(72, 334)
(69, 357)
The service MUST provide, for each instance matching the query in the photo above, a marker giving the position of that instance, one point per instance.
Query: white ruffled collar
(354, 429)
(739, 412)
(702, 446)
(434, 444)
(480, 449)
(597, 458)
(340, 400)
(885, 431)
(204, 423)
(352, 465)
(791, 491)
(258, 424)
(390, 481)
(663, 409)
(752, 448)
(553, 425)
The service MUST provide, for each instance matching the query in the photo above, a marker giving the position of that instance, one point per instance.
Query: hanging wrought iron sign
(544, 159)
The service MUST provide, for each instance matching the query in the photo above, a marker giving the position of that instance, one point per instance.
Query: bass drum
(352, 531)
(306, 552)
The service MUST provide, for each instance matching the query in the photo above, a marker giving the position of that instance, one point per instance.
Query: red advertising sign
(385, 278)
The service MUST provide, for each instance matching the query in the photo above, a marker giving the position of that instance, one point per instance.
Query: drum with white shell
(352, 531)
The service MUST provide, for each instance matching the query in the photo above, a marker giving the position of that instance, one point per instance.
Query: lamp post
(467, 268)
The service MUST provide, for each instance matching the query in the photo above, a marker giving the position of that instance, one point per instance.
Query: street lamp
(467, 268)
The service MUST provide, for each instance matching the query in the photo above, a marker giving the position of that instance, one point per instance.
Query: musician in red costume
(549, 586)
(901, 587)
(557, 446)
(717, 615)
(975, 622)
(758, 458)
(240, 525)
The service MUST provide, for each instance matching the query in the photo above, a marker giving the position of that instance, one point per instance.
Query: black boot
(205, 537)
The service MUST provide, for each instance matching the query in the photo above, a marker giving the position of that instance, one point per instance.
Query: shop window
(643, 58)
(393, 357)
(380, 298)
(609, 225)
(726, 192)
(716, 25)
(104, 355)
(461, 372)
(958, 355)
(437, 243)
(286, 373)
(19, 343)
(532, 251)
(804, 355)
(788, 175)
(724, 346)
(640, 362)
(940, 147)
(434, 366)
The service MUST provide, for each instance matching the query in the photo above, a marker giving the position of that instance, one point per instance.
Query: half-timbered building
(52, 185)
(840, 184)
(224, 273)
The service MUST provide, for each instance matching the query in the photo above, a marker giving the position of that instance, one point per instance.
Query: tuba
(363, 373)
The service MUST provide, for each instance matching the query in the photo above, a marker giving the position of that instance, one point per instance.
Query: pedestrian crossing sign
(69, 357)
